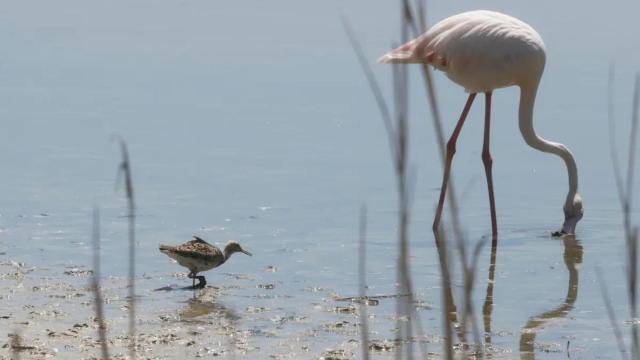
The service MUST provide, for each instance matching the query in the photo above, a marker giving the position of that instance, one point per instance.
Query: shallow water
(253, 122)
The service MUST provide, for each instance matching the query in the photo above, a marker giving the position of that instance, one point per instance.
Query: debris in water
(78, 272)
(381, 346)
(345, 309)
(365, 301)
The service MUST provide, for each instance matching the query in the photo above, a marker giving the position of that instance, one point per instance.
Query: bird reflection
(203, 303)
(487, 307)
(460, 328)
(203, 309)
(572, 258)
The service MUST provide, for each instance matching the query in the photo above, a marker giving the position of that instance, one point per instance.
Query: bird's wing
(195, 248)
(197, 240)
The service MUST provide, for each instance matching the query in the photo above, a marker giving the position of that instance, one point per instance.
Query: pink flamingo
(482, 51)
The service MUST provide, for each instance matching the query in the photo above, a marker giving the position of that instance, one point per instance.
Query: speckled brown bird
(198, 255)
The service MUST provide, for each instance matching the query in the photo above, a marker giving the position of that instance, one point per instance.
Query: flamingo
(481, 51)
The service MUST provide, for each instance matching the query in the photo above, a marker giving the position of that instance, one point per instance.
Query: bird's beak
(245, 251)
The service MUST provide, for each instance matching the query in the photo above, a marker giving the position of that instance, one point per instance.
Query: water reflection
(203, 308)
(204, 303)
(487, 307)
(460, 328)
(451, 322)
(572, 258)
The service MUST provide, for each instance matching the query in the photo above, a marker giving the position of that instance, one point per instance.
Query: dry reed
(125, 168)
(397, 132)
(95, 286)
(362, 282)
(469, 265)
(625, 195)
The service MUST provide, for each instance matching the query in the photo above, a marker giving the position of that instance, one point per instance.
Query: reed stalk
(362, 282)
(625, 195)
(125, 168)
(397, 132)
(95, 286)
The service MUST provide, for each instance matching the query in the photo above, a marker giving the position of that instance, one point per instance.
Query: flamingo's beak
(569, 226)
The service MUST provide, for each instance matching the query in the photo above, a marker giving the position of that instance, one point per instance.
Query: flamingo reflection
(572, 258)
(487, 307)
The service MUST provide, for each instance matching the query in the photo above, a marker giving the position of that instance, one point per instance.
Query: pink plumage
(481, 51)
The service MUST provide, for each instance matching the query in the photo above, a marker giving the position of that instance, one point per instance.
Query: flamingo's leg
(451, 150)
(488, 162)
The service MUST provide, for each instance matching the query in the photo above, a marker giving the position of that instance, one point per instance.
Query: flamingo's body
(482, 51)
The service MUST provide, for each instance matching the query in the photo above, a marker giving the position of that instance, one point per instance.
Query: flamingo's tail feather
(405, 54)
(393, 57)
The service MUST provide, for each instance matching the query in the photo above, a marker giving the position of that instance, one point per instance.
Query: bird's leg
(201, 281)
(451, 150)
(488, 162)
(192, 276)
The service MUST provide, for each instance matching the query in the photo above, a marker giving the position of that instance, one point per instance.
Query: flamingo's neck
(525, 114)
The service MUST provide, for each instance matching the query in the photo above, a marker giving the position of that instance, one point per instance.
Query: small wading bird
(198, 255)
(482, 51)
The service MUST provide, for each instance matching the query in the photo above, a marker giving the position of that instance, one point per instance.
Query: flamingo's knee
(451, 147)
(487, 160)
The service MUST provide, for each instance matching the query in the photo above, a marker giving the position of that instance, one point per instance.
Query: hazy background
(252, 120)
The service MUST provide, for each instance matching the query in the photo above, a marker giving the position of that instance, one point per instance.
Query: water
(253, 122)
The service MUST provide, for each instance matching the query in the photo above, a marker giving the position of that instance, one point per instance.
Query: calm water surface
(252, 121)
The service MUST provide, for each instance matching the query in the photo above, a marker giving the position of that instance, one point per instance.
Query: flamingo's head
(573, 212)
